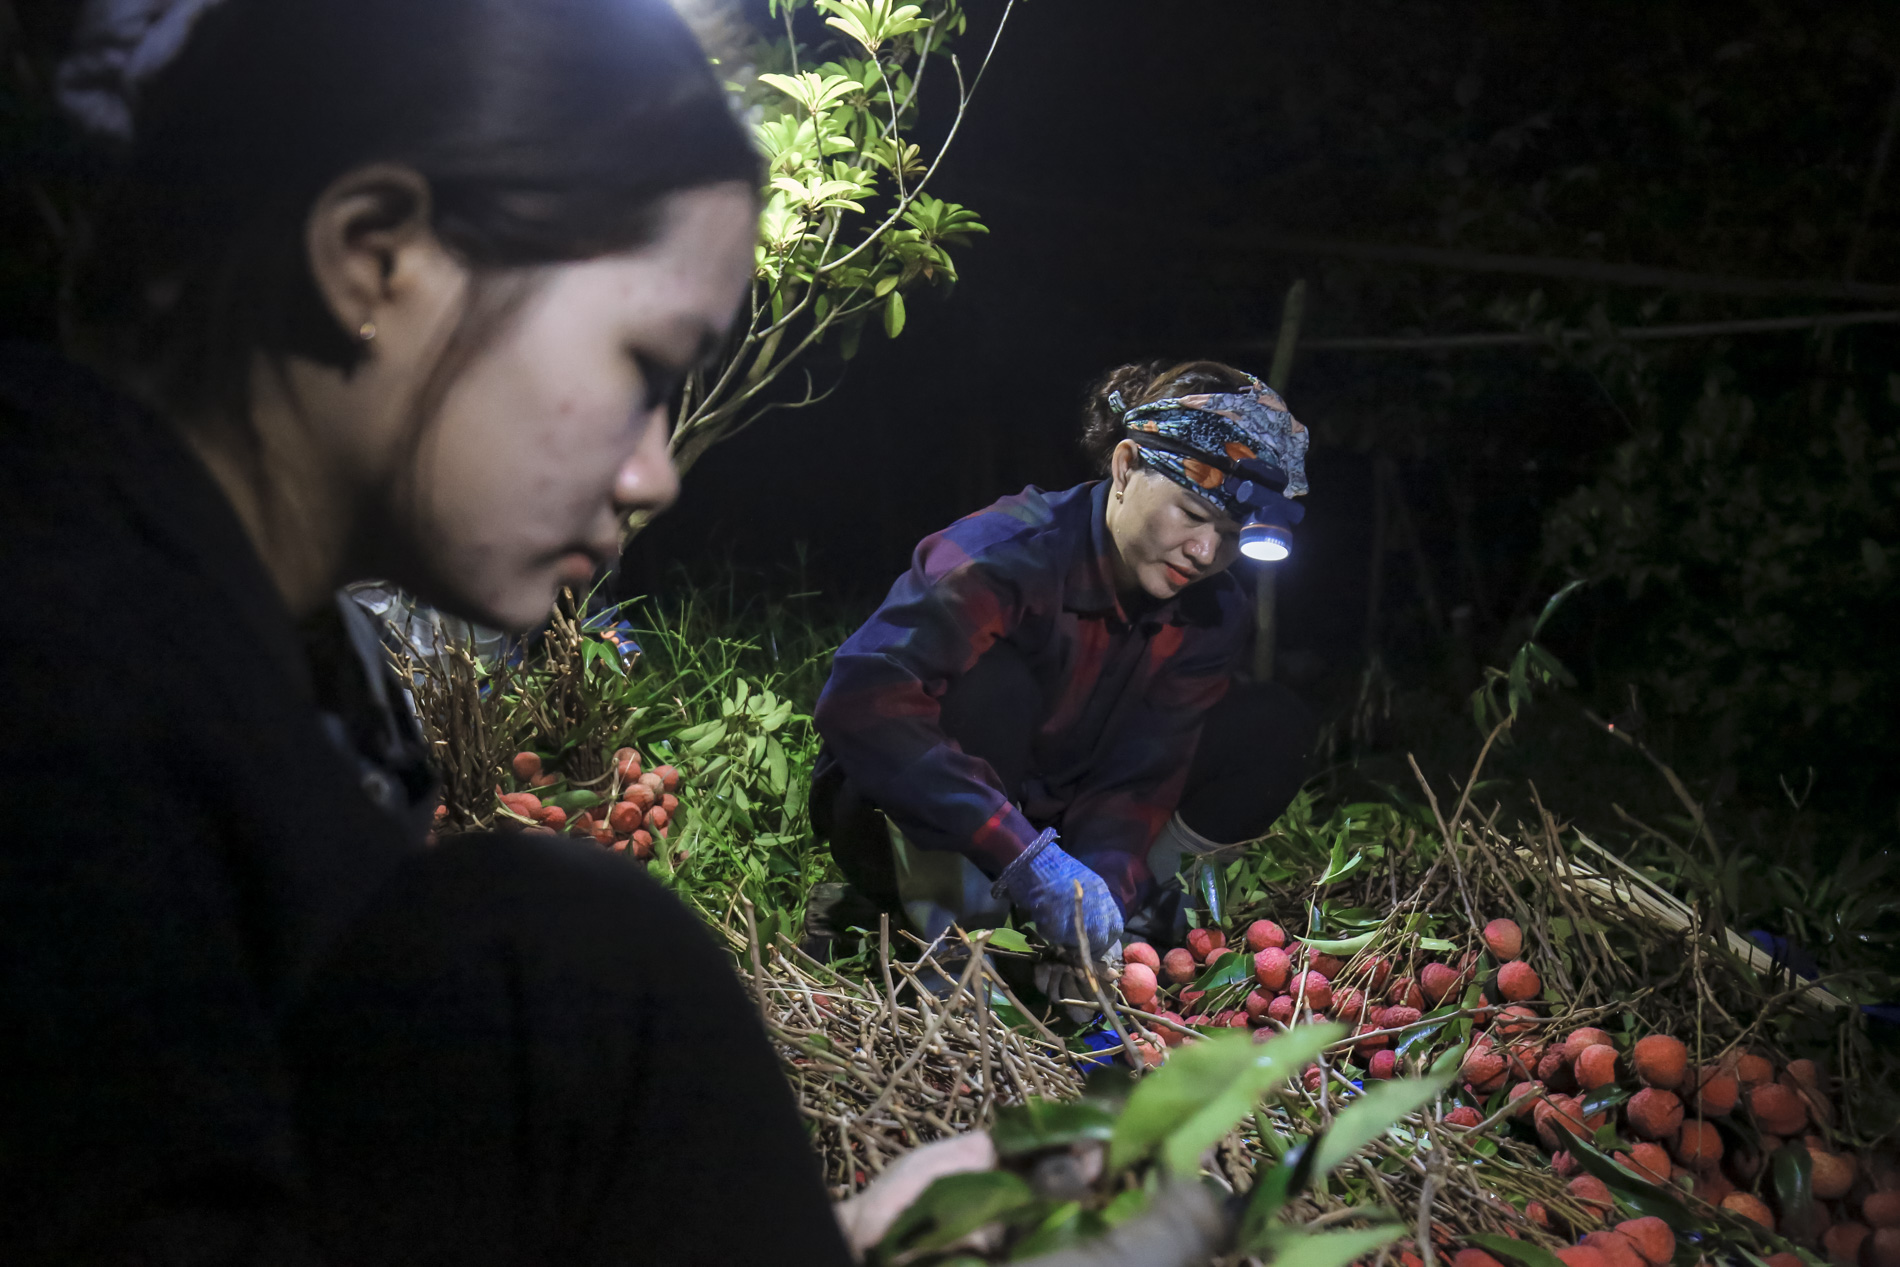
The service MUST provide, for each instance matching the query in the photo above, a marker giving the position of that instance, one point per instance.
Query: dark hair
(1139, 384)
(547, 132)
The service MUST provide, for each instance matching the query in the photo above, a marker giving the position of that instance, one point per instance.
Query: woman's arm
(880, 711)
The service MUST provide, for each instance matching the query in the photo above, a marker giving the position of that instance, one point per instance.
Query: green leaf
(1372, 1114)
(1349, 946)
(1215, 1104)
(1067, 1224)
(1603, 1099)
(1420, 1037)
(894, 313)
(1556, 599)
(578, 799)
(1649, 1198)
(1038, 1124)
(885, 285)
(1228, 970)
(1528, 1253)
(1009, 939)
(953, 1207)
(1436, 943)
(1293, 1248)
(1794, 1184)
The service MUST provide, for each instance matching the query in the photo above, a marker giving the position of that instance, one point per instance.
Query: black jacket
(184, 848)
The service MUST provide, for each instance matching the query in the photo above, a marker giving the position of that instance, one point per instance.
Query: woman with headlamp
(1047, 698)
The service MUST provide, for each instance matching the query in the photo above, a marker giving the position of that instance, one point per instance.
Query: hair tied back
(120, 44)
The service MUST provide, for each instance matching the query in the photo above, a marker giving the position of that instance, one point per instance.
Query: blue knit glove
(1042, 882)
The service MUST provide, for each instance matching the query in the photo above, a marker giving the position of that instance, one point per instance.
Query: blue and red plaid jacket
(1124, 695)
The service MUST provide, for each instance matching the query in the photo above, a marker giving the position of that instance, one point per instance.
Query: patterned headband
(1228, 427)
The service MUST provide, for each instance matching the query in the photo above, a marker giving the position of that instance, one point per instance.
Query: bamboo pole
(1292, 314)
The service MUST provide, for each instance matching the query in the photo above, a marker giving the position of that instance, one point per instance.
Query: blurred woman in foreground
(390, 290)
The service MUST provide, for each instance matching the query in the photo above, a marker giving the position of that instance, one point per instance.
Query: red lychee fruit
(626, 764)
(1178, 965)
(551, 816)
(1718, 1092)
(1437, 980)
(1384, 1064)
(1474, 1258)
(1349, 1004)
(1190, 997)
(526, 765)
(1596, 1067)
(1518, 981)
(657, 819)
(1483, 1068)
(1749, 1207)
(1832, 1174)
(640, 796)
(1504, 938)
(1378, 970)
(1554, 1069)
(1272, 968)
(1698, 1146)
(640, 845)
(1151, 1054)
(1515, 1020)
(1777, 1110)
(1618, 1248)
(1464, 1115)
(1172, 1037)
(1138, 983)
(1327, 966)
(1660, 1061)
(1587, 1036)
(1400, 1017)
(1712, 1187)
(623, 818)
(1842, 1242)
(669, 778)
(1881, 1209)
(1258, 1001)
(1263, 933)
(1557, 1116)
(1653, 1238)
(1404, 992)
(1583, 1256)
(1647, 1160)
(1655, 1114)
(1882, 1249)
(1319, 991)
(1202, 940)
(1591, 1193)
(1215, 955)
(1518, 1093)
(1752, 1070)
(1536, 1213)
(1280, 1011)
(1142, 952)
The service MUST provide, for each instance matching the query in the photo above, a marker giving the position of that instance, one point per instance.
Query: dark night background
(1145, 171)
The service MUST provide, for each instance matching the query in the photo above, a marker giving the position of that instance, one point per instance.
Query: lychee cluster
(637, 810)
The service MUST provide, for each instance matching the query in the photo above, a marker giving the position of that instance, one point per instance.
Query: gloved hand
(1042, 882)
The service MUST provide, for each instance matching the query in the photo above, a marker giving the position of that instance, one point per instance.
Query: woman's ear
(1122, 465)
(373, 253)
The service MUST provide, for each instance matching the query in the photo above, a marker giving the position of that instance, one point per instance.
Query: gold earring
(366, 331)
(1118, 494)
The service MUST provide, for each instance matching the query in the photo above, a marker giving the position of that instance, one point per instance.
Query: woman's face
(557, 430)
(1166, 537)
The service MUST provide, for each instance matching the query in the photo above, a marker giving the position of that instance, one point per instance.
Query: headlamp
(1269, 516)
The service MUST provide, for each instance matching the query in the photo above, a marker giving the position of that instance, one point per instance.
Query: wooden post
(1291, 314)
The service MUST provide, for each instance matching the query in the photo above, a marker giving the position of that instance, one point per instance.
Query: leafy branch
(836, 138)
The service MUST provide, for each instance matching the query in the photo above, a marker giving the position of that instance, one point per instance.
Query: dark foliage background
(1154, 177)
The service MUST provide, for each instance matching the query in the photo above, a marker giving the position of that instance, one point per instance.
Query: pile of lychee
(1713, 1130)
(638, 808)
(1291, 981)
(1709, 1130)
